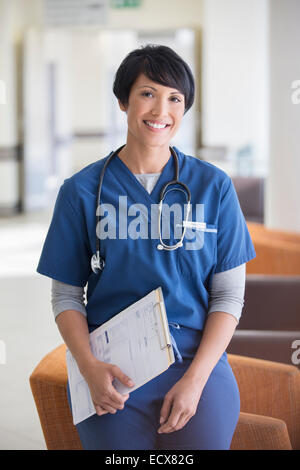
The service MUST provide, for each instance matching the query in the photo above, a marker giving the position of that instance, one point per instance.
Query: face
(154, 112)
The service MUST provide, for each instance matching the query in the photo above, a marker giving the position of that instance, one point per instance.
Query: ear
(122, 106)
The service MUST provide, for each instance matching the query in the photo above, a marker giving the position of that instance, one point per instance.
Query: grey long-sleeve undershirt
(226, 294)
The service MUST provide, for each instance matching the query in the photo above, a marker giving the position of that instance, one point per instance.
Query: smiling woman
(194, 404)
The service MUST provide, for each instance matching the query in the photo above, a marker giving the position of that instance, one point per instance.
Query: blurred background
(58, 114)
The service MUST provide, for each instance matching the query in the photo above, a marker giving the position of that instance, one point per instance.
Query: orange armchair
(265, 422)
(271, 389)
(257, 229)
(277, 252)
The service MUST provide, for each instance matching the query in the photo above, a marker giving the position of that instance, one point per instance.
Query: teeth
(156, 126)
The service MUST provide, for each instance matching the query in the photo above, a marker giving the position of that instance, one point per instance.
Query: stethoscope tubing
(109, 159)
(97, 262)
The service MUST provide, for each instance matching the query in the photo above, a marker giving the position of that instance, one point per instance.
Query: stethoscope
(98, 263)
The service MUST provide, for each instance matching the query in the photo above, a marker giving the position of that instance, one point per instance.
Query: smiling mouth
(156, 126)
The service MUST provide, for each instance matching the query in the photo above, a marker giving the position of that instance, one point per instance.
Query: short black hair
(161, 65)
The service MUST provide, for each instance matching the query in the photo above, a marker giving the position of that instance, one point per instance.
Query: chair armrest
(52, 368)
(267, 345)
(48, 384)
(254, 432)
(270, 389)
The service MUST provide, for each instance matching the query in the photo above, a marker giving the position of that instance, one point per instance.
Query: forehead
(143, 81)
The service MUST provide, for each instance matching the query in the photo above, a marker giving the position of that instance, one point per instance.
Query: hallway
(23, 292)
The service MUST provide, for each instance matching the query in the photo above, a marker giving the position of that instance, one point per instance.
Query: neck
(141, 158)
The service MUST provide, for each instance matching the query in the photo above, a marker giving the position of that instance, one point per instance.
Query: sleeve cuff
(60, 307)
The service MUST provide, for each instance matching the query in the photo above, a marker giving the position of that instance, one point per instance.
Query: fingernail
(130, 383)
(161, 419)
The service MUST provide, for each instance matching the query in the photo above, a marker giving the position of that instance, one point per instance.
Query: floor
(27, 327)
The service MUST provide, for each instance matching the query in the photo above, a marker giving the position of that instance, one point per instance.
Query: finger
(99, 410)
(113, 404)
(109, 408)
(124, 398)
(165, 410)
(171, 423)
(123, 378)
(116, 399)
(183, 420)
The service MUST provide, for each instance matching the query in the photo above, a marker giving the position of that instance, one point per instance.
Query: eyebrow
(172, 93)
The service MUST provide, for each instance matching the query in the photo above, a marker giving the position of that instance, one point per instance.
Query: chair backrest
(250, 192)
(271, 303)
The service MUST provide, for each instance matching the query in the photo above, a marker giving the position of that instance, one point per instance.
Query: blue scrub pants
(135, 427)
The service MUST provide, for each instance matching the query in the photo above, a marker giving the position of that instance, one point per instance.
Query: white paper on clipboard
(137, 340)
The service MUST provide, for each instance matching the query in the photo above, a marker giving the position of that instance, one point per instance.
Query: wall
(235, 73)
(9, 166)
(250, 61)
(283, 188)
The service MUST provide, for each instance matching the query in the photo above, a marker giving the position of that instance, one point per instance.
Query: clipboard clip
(168, 344)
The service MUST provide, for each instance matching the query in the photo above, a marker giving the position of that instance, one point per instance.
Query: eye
(175, 98)
(146, 93)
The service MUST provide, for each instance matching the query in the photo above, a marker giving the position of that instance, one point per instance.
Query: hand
(106, 398)
(180, 404)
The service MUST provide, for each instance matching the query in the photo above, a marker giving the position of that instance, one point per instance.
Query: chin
(157, 144)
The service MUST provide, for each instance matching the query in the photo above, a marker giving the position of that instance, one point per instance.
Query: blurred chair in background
(250, 191)
(269, 327)
(277, 251)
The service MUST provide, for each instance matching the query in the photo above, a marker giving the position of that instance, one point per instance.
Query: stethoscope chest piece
(97, 263)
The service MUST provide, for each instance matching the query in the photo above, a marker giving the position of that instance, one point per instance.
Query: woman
(195, 403)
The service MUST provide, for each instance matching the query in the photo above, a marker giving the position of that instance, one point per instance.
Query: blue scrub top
(134, 267)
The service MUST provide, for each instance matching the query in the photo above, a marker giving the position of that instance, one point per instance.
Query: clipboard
(136, 339)
(166, 343)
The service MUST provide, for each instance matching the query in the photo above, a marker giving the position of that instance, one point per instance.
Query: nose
(160, 108)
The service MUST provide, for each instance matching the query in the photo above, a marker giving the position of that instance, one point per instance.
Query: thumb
(123, 378)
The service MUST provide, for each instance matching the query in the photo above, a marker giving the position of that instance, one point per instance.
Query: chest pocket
(197, 256)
